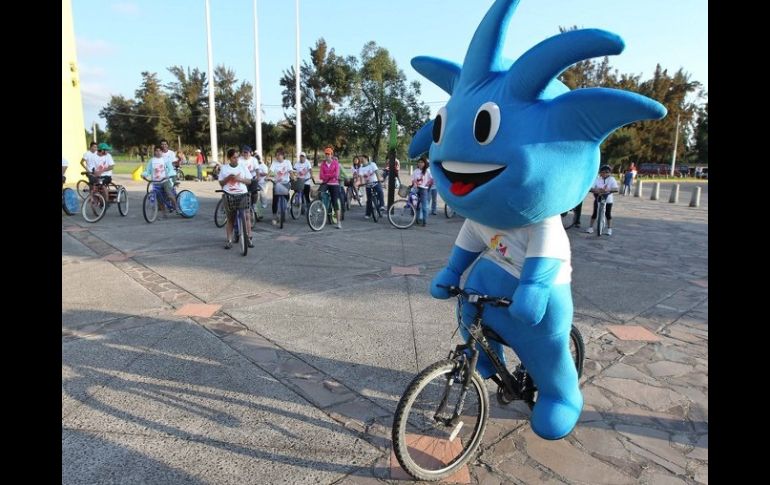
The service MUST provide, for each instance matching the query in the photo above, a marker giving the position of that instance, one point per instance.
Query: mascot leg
(543, 349)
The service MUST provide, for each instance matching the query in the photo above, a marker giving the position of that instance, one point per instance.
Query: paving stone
(198, 310)
(625, 371)
(571, 463)
(633, 332)
(436, 452)
(655, 398)
(667, 368)
(650, 477)
(657, 443)
(700, 450)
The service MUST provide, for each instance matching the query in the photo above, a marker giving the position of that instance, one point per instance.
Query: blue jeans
(200, 172)
(422, 210)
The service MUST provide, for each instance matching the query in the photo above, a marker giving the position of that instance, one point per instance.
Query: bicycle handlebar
(476, 298)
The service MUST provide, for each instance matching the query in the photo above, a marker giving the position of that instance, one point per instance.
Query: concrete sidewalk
(187, 363)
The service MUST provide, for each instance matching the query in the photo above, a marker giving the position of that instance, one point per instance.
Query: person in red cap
(330, 177)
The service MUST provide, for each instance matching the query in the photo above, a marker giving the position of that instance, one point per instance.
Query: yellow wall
(73, 141)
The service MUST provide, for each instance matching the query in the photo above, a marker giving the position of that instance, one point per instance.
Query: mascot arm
(531, 297)
(459, 261)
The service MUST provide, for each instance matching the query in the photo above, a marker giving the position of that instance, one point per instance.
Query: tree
(152, 114)
(324, 83)
(380, 92)
(120, 115)
(702, 135)
(235, 121)
(189, 96)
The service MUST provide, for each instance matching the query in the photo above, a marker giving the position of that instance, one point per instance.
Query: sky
(117, 40)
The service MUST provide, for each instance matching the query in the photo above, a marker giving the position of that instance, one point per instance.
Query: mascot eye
(438, 125)
(486, 124)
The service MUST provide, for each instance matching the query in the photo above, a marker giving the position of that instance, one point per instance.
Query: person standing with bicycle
(604, 185)
(330, 177)
(280, 170)
(422, 182)
(157, 169)
(234, 179)
(304, 172)
(368, 173)
(169, 155)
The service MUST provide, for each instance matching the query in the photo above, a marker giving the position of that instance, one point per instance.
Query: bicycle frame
(160, 195)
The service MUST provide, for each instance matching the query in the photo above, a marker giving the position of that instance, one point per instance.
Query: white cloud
(94, 47)
(126, 8)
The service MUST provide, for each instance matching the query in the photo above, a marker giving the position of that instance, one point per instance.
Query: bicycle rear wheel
(429, 448)
(69, 201)
(401, 215)
(375, 206)
(150, 207)
(94, 207)
(296, 205)
(600, 220)
(243, 241)
(316, 215)
(220, 214)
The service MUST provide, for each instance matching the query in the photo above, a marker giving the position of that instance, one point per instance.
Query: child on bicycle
(157, 169)
(368, 173)
(234, 179)
(604, 184)
(100, 168)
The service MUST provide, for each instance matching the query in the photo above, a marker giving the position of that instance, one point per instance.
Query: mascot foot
(553, 419)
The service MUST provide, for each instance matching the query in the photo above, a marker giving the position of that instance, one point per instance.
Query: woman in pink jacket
(330, 178)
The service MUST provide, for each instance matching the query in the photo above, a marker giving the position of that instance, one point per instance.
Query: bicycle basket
(298, 185)
(281, 188)
(403, 191)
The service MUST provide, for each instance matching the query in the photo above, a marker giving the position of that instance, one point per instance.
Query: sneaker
(249, 243)
(590, 230)
(609, 231)
(228, 245)
(275, 222)
(339, 225)
(577, 225)
(367, 217)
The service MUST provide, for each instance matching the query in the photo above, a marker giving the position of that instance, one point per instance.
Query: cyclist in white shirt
(91, 153)
(170, 156)
(604, 184)
(248, 161)
(234, 180)
(100, 167)
(262, 171)
(368, 173)
(157, 169)
(280, 170)
(304, 172)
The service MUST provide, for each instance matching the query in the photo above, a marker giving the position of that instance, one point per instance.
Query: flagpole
(297, 74)
(257, 90)
(212, 110)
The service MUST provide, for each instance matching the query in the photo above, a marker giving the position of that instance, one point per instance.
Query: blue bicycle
(156, 200)
(239, 225)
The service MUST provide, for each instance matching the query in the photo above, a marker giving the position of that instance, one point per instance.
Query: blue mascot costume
(511, 150)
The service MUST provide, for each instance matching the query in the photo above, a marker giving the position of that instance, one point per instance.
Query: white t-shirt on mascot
(509, 247)
(234, 187)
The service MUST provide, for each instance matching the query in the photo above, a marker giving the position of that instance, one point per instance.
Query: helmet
(246, 148)
(605, 168)
(104, 146)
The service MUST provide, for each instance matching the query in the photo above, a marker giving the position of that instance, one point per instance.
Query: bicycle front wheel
(316, 215)
(401, 215)
(187, 203)
(427, 445)
(243, 241)
(94, 207)
(150, 207)
(122, 201)
(296, 205)
(69, 201)
(600, 220)
(82, 188)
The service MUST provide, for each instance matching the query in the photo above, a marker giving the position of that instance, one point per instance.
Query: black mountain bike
(441, 418)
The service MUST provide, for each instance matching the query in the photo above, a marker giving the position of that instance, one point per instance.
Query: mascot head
(514, 145)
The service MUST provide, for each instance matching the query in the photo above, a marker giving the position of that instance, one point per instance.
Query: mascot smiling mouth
(467, 176)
